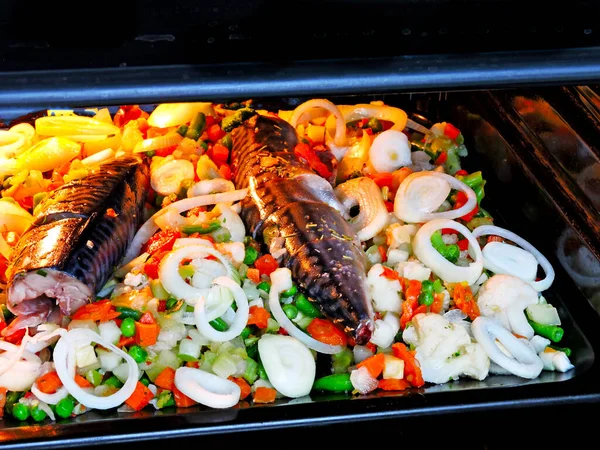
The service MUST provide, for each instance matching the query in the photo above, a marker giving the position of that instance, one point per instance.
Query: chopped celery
(341, 361)
(251, 373)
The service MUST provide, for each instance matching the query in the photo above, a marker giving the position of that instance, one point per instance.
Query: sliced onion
(126, 268)
(340, 123)
(241, 315)
(12, 222)
(168, 271)
(149, 227)
(421, 193)
(25, 129)
(21, 375)
(64, 361)
(281, 280)
(172, 114)
(390, 151)
(443, 268)
(13, 208)
(539, 286)
(503, 258)
(10, 143)
(73, 125)
(373, 214)
(206, 388)
(523, 363)
(167, 178)
(230, 220)
(289, 364)
(167, 140)
(205, 187)
(47, 335)
(51, 399)
(98, 158)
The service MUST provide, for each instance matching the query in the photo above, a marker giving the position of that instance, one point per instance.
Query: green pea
(427, 286)
(38, 414)
(64, 408)
(128, 327)
(138, 353)
(227, 141)
(145, 381)
(264, 286)
(375, 125)
(290, 292)
(20, 411)
(306, 307)
(251, 255)
(150, 153)
(290, 311)
(426, 298)
(171, 302)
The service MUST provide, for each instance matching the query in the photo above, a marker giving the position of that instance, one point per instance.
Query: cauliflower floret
(385, 292)
(505, 297)
(400, 234)
(386, 330)
(445, 350)
(135, 280)
(396, 255)
(413, 270)
(555, 360)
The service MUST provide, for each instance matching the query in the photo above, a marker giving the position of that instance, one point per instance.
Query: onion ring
(206, 388)
(241, 315)
(447, 271)
(340, 123)
(539, 286)
(51, 399)
(64, 362)
(168, 272)
(149, 228)
(406, 202)
(525, 363)
(281, 280)
(206, 187)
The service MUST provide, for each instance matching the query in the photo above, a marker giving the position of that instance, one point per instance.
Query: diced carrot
(374, 364)
(259, 317)
(390, 274)
(393, 384)
(253, 275)
(411, 303)
(463, 299)
(412, 371)
(438, 303)
(264, 395)
(49, 383)
(82, 382)
(382, 253)
(244, 387)
(3, 392)
(166, 379)
(146, 334)
(422, 309)
(182, 400)
(140, 397)
(382, 179)
(325, 331)
(99, 311)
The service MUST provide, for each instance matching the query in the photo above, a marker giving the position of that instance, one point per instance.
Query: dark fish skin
(321, 250)
(83, 229)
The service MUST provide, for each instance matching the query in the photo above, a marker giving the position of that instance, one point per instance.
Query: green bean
(204, 228)
(128, 313)
(196, 127)
(450, 252)
(246, 332)
(221, 235)
(339, 382)
(552, 332)
(182, 130)
(290, 292)
(375, 125)
(472, 180)
(306, 307)
(171, 302)
(219, 324)
(113, 382)
(227, 141)
(342, 360)
(290, 311)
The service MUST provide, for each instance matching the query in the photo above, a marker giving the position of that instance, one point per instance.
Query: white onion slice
(241, 315)
(205, 187)
(10, 143)
(64, 362)
(390, 151)
(340, 123)
(47, 335)
(447, 271)
(281, 280)
(21, 376)
(231, 220)
(289, 364)
(98, 158)
(420, 194)
(503, 258)
(524, 362)
(168, 271)
(539, 286)
(206, 388)
(149, 227)
(51, 399)
(373, 215)
(13, 354)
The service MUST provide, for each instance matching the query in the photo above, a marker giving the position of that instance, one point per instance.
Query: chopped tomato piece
(3, 267)
(461, 199)
(16, 337)
(438, 303)
(161, 242)
(225, 171)
(125, 341)
(441, 159)
(463, 244)
(266, 264)
(305, 152)
(451, 131)
(461, 172)
(389, 206)
(152, 265)
(166, 151)
(253, 275)
(325, 331)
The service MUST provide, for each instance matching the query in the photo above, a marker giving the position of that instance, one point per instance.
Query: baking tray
(523, 194)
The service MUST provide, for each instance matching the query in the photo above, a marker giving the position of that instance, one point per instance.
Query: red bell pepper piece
(451, 131)
(161, 242)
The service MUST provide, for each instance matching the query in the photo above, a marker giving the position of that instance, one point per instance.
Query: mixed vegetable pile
(200, 313)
